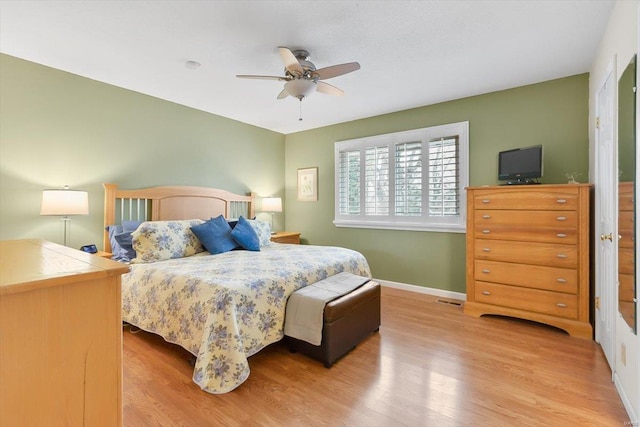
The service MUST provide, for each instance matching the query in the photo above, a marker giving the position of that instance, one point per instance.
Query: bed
(222, 308)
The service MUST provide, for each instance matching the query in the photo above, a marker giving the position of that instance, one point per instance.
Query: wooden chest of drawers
(626, 252)
(528, 254)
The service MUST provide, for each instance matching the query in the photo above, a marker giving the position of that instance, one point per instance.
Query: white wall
(621, 40)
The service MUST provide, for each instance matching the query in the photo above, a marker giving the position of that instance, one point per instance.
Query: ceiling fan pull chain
(300, 118)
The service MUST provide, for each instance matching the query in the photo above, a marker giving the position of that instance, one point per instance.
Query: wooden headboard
(171, 203)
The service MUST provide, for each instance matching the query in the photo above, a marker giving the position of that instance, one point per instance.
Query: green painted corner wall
(553, 113)
(58, 128)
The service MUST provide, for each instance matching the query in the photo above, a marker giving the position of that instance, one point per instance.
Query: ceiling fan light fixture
(300, 88)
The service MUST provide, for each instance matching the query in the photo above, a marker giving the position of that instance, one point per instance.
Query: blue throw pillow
(215, 235)
(130, 225)
(120, 239)
(125, 241)
(117, 253)
(245, 235)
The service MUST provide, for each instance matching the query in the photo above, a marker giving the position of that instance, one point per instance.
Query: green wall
(626, 123)
(553, 113)
(58, 128)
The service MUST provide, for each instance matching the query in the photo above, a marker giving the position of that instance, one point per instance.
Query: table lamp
(272, 205)
(64, 202)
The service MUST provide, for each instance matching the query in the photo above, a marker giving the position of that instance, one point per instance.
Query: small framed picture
(308, 184)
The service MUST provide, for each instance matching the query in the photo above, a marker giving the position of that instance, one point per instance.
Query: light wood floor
(430, 365)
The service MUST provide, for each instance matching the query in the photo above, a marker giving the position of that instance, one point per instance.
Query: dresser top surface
(527, 187)
(29, 264)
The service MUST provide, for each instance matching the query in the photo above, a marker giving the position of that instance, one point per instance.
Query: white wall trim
(423, 290)
(633, 417)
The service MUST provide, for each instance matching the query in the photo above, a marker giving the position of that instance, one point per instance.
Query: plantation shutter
(444, 176)
(408, 175)
(349, 188)
(409, 180)
(377, 180)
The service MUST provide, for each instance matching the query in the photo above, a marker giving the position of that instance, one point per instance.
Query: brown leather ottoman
(347, 321)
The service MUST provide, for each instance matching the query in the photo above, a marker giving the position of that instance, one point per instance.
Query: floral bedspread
(224, 308)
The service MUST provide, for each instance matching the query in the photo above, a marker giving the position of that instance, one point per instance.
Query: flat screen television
(520, 165)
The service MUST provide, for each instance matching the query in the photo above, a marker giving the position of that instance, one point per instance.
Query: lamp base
(65, 220)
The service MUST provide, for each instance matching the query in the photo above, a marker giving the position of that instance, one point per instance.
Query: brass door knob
(608, 237)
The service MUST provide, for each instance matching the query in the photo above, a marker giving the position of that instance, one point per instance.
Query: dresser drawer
(625, 229)
(625, 290)
(530, 226)
(549, 254)
(528, 276)
(525, 200)
(625, 196)
(539, 301)
(625, 261)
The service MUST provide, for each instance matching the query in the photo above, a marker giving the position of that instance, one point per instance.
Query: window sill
(442, 228)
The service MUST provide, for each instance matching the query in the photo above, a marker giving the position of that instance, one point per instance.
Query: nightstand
(286, 237)
(104, 254)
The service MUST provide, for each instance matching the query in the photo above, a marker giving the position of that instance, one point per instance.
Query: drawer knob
(561, 235)
(561, 280)
(561, 218)
(561, 305)
(562, 256)
(485, 201)
(486, 216)
(485, 271)
(486, 250)
(486, 231)
(486, 293)
(561, 201)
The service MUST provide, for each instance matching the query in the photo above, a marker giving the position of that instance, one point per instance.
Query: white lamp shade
(272, 204)
(64, 202)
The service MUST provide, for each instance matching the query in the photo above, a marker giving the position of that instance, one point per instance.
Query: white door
(606, 191)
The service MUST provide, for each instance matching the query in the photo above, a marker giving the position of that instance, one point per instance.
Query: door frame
(607, 297)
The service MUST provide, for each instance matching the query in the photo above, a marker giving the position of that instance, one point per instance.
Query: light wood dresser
(626, 251)
(528, 254)
(60, 336)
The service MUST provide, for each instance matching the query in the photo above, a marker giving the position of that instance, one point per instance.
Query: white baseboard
(423, 290)
(625, 401)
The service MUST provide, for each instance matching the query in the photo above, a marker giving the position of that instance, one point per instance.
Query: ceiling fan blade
(251, 76)
(290, 61)
(328, 89)
(336, 70)
(283, 94)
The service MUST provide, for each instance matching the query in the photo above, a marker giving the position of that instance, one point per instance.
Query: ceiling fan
(301, 76)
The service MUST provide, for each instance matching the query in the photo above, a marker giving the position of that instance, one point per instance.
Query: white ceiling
(412, 53)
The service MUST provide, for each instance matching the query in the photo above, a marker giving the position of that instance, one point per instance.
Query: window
(411, 180)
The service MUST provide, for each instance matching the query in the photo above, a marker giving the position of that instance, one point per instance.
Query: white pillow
(159, 240)
(263, 230)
